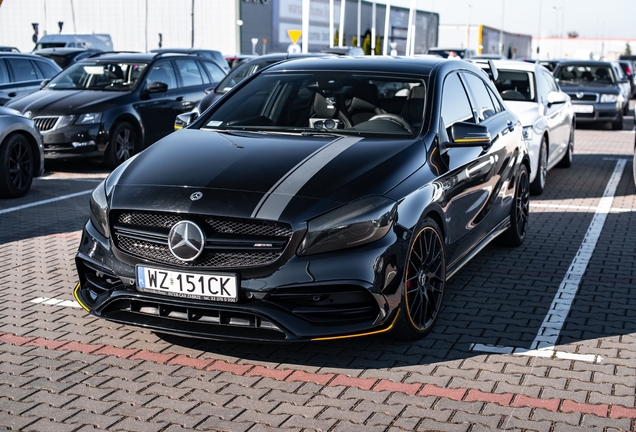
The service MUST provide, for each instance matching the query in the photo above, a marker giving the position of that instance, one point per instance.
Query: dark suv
(113, 105)
(21, 74)
(595, 90)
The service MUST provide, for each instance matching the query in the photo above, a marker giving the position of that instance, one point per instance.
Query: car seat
(413, 110)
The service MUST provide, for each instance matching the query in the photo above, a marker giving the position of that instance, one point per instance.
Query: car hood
(528, 112)
(268, 176)
(589, 88)
(61, 102)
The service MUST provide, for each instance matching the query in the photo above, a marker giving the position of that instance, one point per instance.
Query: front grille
(231, 242)
(45, 123)
(589, 97)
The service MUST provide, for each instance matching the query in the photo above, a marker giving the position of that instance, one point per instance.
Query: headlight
(65, 120)
(354, 224)
(89, 118)
(527, 133)
(609, 98)
(99, 209)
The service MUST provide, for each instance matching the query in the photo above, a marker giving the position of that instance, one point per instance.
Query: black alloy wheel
(519, 212)
(537, 186)
(424, 280)
(16, 166)
(122, 145)
(568, 157)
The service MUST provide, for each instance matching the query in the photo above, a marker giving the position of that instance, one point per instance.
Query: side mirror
(44, 83)
(469, 135)
(157, 87)
(556, 98)
(185, 119)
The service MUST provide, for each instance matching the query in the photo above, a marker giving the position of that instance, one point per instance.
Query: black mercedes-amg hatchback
(320, 198)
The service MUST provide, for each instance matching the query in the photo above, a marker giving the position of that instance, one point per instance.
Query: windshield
(323, 101)
(585, 74)
(516, 86)
(241, 71)
(98, 76)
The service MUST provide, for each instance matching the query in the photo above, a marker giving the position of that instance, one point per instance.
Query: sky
(545, 18)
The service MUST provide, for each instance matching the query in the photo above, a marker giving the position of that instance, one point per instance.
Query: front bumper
(75, 142)
(305, 298)
(603, 112)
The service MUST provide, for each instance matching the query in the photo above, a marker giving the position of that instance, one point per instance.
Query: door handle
(511, 125)
(12, 94)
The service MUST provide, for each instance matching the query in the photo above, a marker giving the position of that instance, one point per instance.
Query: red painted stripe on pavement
(330, 380)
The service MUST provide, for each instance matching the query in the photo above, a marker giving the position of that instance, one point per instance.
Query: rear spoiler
(489, 67)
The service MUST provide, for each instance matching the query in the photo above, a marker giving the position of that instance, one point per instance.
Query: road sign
(294, 35)
(293, 48)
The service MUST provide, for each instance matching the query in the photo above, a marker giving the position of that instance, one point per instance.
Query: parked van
(97, 41)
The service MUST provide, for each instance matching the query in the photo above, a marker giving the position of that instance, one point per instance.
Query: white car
(546, 113)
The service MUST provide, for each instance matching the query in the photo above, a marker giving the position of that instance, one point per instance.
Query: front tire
(568, 157)
(122, 145)
(618, 123)
(520, 211)
(423, 286)
(16, 166)
(537, 186)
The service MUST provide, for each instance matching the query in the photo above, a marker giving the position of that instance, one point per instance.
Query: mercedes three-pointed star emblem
(186, 241)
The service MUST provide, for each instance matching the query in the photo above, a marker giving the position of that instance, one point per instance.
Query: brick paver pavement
(63, 370)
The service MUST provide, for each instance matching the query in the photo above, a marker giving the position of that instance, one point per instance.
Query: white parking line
(38, 203)
(56, 302)
(584, 208)
(543, 344)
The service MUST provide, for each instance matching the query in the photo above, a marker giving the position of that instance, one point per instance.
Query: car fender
(129, 115)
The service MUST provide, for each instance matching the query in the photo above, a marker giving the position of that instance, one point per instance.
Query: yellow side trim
(361, 334)
(75, 291)
(472, 140)
(177, 127)
(480, 39)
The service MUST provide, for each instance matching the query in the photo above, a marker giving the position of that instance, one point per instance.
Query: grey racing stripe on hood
(276, 199)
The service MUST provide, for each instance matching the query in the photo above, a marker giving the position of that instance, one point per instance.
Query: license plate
(583, 109)
(202, 286)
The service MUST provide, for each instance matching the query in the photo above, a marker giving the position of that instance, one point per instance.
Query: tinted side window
(4, 73)
(47, 70)
(455, 104)
(22, 69)
(215, 72)
(163, 72)
(190, 73)
(477, 86)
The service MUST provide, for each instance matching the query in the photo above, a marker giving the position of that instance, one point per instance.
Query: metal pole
(305, 29)
(539, 37)
(330, 23)
(73, 12)
(342, 20)
(387, 18)
(359, 16)
(192, 26)
(373, 28)
(409, 31)
(503, 8)
(146, 43)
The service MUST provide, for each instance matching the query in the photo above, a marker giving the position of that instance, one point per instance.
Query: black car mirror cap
(183, 120)
(555, 97)
(157, 87)
(468, 135)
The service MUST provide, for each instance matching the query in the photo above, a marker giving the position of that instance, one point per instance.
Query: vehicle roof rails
(163, 53)
(101, 53)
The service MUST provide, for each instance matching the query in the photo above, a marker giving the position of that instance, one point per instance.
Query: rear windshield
(98, 76)
(324, 101)
(516, 85)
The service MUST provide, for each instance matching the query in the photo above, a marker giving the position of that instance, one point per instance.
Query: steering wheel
(512, 95)
(395, 119)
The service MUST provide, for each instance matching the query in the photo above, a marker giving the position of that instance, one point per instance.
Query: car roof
(7, 54)
(584, 62)
(515, 65)
(382, 64)
(137, 56)
(63, 51)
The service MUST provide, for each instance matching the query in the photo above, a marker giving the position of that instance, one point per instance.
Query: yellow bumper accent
(361, 334)
(77, 299)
